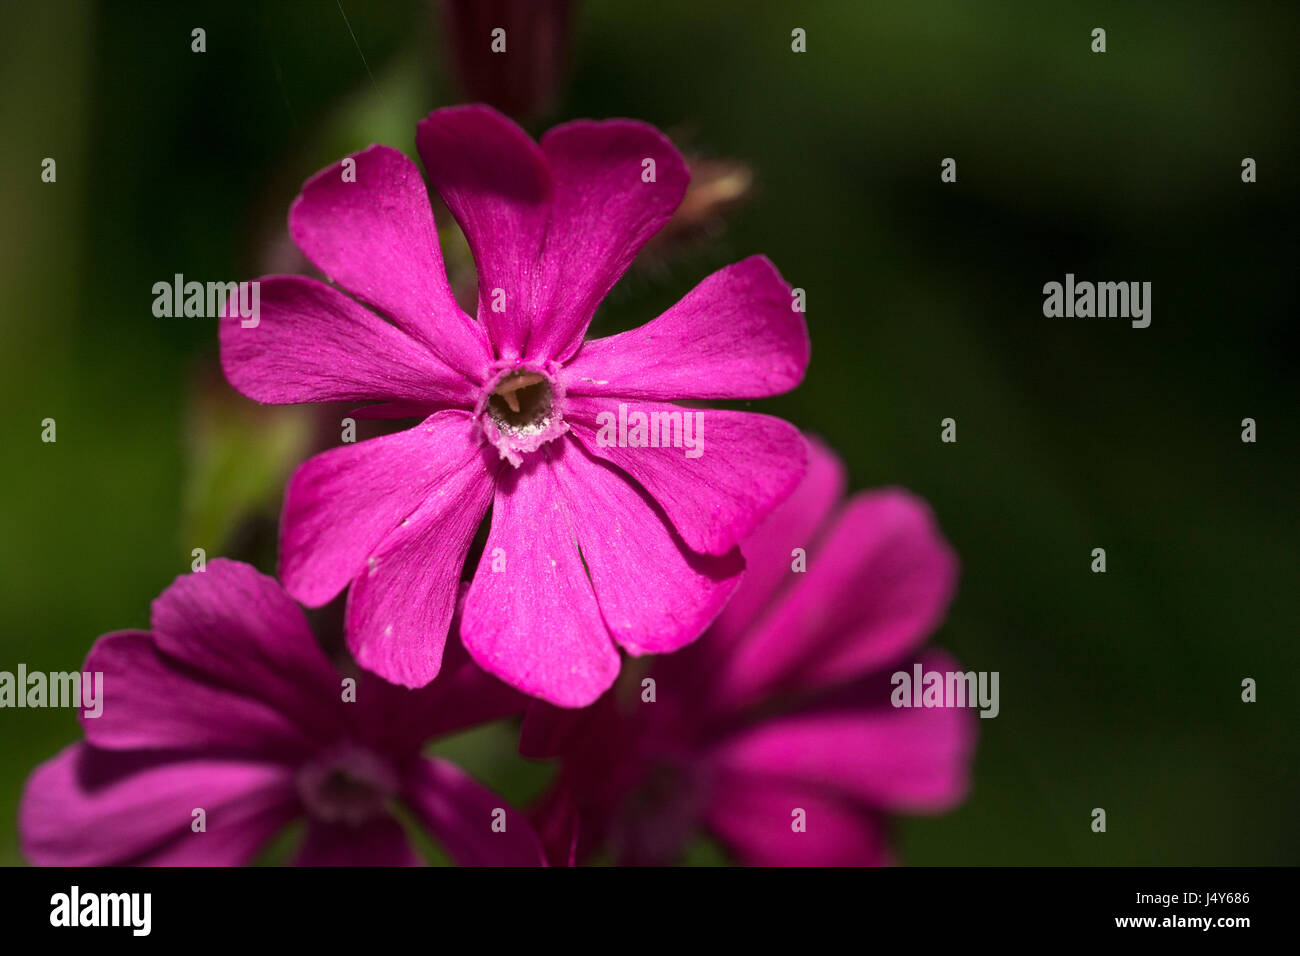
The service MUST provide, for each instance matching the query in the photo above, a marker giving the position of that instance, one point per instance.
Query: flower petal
(747, 465)
(87, 807)
(494, 180)
(152, 702)
(536, 624)
(239, 629)
(401, 604)
(374, 235)
(312, 343)
(606, 206)
(654, 593)
(734, 335)
(876, 587)
(755, 819)
(553, 228)
(342, 504)
(770, 551)
(909, 759)
(460, 814)
(377, 842)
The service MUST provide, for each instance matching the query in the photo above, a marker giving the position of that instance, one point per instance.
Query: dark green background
(1119, 690)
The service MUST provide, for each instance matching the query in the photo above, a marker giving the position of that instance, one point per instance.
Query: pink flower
(593, 544)
(230, 707)
(782, 706)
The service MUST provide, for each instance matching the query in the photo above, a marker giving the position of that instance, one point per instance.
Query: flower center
(346, 784)
(521, 403)
(520, 410)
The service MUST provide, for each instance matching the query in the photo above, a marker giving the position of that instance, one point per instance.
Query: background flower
(782, 706)
(229, 706)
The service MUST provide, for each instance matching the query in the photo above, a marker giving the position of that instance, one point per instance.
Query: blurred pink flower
(592, 546)
(228, 705)
(783, 704)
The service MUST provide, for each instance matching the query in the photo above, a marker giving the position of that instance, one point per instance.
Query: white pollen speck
(388, 630)
(373, 563)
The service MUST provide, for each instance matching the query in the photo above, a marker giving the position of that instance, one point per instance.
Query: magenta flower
(229, 706)
(782, 706)
(601, 534)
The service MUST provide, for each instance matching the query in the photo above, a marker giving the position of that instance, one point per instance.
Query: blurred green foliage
(1118, 690)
